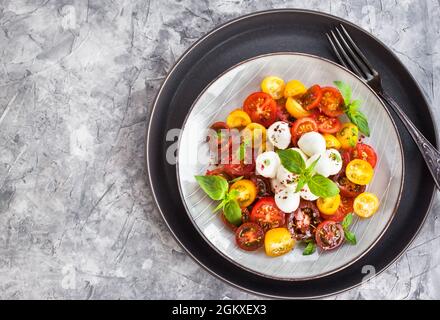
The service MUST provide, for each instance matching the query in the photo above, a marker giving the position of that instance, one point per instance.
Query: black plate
(277, 31)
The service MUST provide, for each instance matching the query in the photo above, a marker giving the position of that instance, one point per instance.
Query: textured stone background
(77, 79)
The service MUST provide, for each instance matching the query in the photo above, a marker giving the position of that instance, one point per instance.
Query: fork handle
(429, 152)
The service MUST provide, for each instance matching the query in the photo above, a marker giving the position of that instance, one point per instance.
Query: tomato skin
(348, 188)
(266, 213)
(261, 107)
(345, 208)
(329, 235)
(346, 158)
(365, 152)
(303, 222)
(301, 126)
(348, 136)
(331, 103)
(249, 236)
(312, 98)
(327, 124)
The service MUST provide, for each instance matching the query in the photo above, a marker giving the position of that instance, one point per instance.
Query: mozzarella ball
(303, 155)
(322, 166)
(267, 164)
(287, 178)
(276, 186)
(306, 194)
(287, 200)
(279, 134)
(334, 160)
(312, 143)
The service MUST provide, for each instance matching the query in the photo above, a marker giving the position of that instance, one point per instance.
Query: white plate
(227, 93)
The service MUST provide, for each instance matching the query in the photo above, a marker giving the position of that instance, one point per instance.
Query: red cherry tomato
(261, 107)
(239, 169)
(345, 208)
(332, 103)
(312, 97)
(348, 188)
(327, 124)
(301, 126)
(329, 235)
(266, 213)
(303, 222)
(346, 158)
(365, 152)
(249, 236)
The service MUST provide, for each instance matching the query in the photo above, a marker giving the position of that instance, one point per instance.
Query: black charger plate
(281, 31)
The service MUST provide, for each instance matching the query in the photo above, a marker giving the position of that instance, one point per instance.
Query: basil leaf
(232, 212)
(350, 237)
(215, 187)
(310, 249)
(347, 221)
(232, 195)
(292, 160)
(301, 183)
(308, 172)
(345, 91)
(322, 187)
(236, 179)
(360, 120)
(219, 206)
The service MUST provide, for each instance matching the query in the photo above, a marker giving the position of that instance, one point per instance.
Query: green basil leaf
(350, 237)
(292, 160)
(219, 207)
(232, 212)
(347, 221)
(233, 194)
(301, 183)
(309, 171)
(215, 187)
(310, 249)
(323, 187)
(360, 120)
(236, 179)
(345, 91)
(355, 105)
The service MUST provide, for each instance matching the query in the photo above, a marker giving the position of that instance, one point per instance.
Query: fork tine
(353, 55)
(336, 51)
(341, 50)
(358, 51)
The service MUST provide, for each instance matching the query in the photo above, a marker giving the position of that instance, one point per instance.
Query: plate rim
(197, 43)
(382, 103)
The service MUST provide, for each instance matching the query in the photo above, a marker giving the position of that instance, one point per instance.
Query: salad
(290, 167)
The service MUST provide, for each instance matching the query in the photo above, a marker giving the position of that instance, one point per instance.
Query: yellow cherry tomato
(274, 86)
(238, 119)
(256, 133)
(247, 192)
(359, 171)
(329, 206)
(365, 205)
(331, 142)
(348, 135)
(295, 109)
(278, 241)
(294, 88)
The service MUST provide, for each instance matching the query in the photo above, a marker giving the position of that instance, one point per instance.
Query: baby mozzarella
(287, 178)
(306, 194)
(267, 164)
(334, 161)
(287, 200)
(279, 134)
(312, 143)
(323, 166)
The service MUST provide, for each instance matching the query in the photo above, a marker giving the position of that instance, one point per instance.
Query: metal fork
(351, 57)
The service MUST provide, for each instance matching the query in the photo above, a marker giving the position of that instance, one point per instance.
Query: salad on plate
(291, 167)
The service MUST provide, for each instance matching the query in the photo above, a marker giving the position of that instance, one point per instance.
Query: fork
(352, 58)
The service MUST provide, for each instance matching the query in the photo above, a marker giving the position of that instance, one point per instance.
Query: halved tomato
(312, 97)
(249, 236)
(348, 188)
(345, 208)
(329, 235)
(266, 213)
(303, 222)
(240, 169)
(365, 152)
(327, 124)
(301, 126)
(332, 103)
(261, 107)
(263, 186)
